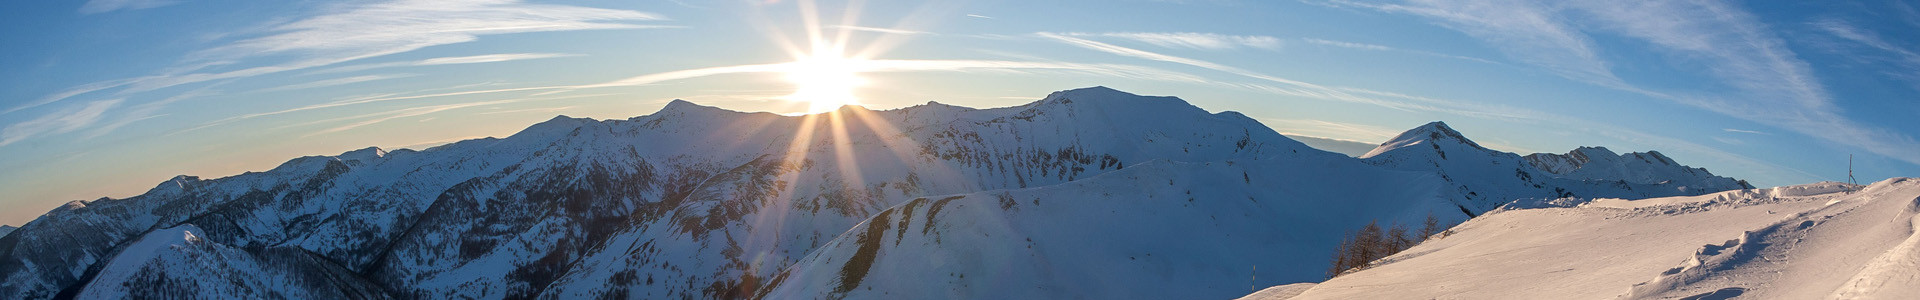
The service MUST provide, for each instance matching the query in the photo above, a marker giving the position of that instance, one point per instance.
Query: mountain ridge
(576, 207)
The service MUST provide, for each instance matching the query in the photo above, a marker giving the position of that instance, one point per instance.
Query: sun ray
(844, 156)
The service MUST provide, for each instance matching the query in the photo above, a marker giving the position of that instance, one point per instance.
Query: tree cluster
(1361, 247)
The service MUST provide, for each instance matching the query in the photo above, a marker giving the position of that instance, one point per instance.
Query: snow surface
(1825, 240)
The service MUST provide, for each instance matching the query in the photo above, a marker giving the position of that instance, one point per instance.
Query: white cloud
(527, 110)
(1287, 86)
(878, 30)
(403, 113)
(1906, 58)
(1372, 47)
(979, 16)
(145, 111)
(451, 60)
(488, 58)
(1353, 45)
(1193, 40)
(371, 31)
(1743, 131)
(101, 6)
(336, 81)
(69, 93)
(1526, 30)
(57, 123)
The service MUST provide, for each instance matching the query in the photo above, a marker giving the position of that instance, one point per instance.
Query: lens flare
(824, 80)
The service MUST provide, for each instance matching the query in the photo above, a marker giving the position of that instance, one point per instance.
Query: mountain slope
(1158, 230)
(178, 263)
(763, 228)
(1809, 241)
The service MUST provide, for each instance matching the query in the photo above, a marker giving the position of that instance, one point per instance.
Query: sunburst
(824, 79)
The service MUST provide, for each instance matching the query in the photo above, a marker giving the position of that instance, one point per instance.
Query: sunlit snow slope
(1825, 240)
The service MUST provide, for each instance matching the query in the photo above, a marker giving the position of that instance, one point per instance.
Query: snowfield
(1815, 241)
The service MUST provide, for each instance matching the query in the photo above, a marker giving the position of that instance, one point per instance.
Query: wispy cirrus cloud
(1908, 59)
(102, 6)
(403, 113)
(1286, 86)
(60, 122)
(1743, 131)
(1759, 78)
(352, 33)
(336, 82)
(145, 111)
(370, 31)
(1373, 47)
(1192, 40)
(1361, 46)
(878, 29)
(1528, 31)
(451, 60)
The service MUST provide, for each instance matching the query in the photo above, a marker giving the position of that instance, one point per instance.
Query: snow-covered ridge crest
(1649, 167)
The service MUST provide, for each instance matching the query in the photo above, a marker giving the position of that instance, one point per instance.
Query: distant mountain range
(1087, 193)
(1350, 148)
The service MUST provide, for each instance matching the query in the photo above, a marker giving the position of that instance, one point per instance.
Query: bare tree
(1361, 247)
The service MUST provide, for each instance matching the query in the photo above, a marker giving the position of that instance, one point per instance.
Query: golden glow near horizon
(824, 79)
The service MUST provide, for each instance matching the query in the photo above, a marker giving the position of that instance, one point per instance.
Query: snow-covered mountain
(1651, 167)
(701, 202)
(1488, 178)
(1816, 241)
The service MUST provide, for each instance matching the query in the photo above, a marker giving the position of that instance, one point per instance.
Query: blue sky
(107, 98)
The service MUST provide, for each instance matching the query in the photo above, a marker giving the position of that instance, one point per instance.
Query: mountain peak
(1095, 92)
(1434, 132)
(363, 154)
(681, 105)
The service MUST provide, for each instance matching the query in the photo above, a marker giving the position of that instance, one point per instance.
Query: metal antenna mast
(1850, 170)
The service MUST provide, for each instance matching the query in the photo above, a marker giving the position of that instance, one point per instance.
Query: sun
(825, 80)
